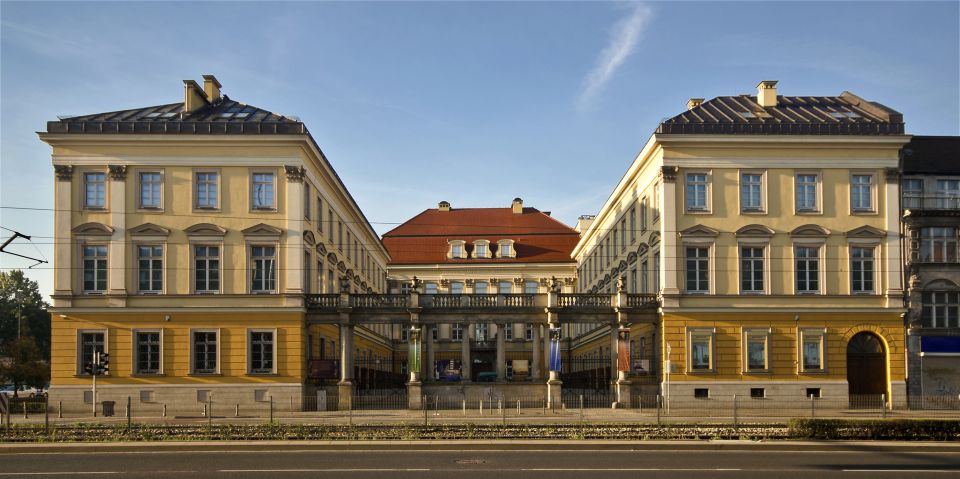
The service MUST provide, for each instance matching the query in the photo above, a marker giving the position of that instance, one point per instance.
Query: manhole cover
(469, 461)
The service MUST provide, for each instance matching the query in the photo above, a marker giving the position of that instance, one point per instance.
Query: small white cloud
(624, 37)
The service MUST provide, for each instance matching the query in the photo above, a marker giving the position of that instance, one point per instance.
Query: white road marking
(64, 473)
(900, 470)
(322, 470)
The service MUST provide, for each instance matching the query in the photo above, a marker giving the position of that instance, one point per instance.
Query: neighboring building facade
(187, 235)
(931, 220)
(769, 226)
(481, 251)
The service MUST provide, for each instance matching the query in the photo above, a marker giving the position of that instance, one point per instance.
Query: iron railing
(931, 202)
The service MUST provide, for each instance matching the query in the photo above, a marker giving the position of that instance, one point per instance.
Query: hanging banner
(623, 350)
(324, 369)
(447, 370)
(555, 349)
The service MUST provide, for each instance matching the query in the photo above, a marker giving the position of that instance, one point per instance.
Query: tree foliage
(21, 302)
(25, 365)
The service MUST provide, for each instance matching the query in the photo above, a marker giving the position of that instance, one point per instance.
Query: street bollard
(25, 410)
(60, 410)
(883, 406)
(581, 409)
(271, 409)
(237, 414)
(659, 401)
(129, 413)
(164, 410)
(735, 411)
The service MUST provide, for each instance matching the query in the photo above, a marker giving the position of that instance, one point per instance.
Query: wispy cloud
(624, 37)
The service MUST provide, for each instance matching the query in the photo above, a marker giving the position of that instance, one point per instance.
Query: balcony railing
(379, 300)
(641, 300)
(322, 301)
(476, 301)
(585, 300)
(931, 202)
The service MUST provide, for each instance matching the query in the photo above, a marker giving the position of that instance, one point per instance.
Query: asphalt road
(499, 460)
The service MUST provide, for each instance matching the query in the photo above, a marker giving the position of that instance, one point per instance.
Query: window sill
(150, 209)
(808, 293)
(759, 372)
(698, 212)
(206, 209)
(753, 212)
(148, 375)
(272, 374)
(204, 375)
(817, 372)
(263, 210)
(704, 372)
(808, 212)
(98, 209)
(863, 212)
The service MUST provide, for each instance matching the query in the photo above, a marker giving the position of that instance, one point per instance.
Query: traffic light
(104, 363)
(88, 367)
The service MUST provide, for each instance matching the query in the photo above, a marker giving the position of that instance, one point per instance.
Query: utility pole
(93, 372)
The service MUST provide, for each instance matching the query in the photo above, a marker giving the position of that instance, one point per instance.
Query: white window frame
(273, 362)
(79, 351)
(819, 247)
(872, 209)
(216, 187)
(140, 190)
(747, 335)
(106, 190)
(929, 243)
(427, 287)
(531, 287)
(711, 280)
(821, 335)
(456, 332)
(193, 267)
(818, 192)
(219, 338)
(708, 192)
(477, 287)
(251, 267)
(163, 269)
(934, 320)
(82, 269)
(700, 333)
(456, 287)
(135, 348)
(761, 208)
(507, 331)
(876, 267)
(509, 243)
(911, 198)
(457, 249)
(253, 190)
(765, 266)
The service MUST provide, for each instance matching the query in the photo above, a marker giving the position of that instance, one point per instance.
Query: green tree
(25, 365)
(23, 312)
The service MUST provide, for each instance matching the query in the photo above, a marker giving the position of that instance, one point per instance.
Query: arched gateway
(866, 369)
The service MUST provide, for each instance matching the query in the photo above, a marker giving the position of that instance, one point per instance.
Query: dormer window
(505, 249)
(457, 250)
(481, 249)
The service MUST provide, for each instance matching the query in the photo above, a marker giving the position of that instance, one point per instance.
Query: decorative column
(429, 361)
(63, 251)
(117, 282)
(465, 361)
(894, 265)
(345, 386)
(554, 393)
(620, 348)
(501, 352)
(414, 356)
(293, 241)
(535, 362)
(668, 238)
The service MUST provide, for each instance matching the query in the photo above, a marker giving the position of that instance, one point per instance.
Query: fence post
(883, 406)
(464, 408)
(59, 409)
(271, 409)
(503, 412)
(209, 410)
(659, 401)
(25, 410)
(129, 413)
(423, 401)
(735, 411)
(237, 414)
(581, 409)
(46, 417)
(813, 407)
(164, 410)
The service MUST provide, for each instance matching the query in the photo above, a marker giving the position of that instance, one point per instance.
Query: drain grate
(469, 461)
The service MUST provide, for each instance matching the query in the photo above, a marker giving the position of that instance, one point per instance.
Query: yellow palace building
(768, 226)
(187, 236)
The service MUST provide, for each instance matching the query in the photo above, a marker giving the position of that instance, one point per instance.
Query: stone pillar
(894, 264)
(415, 385)
(535, 363)
(428, 363)
(620, 384)
(669, 259)
(293, 239)
(117, 197)
(345, 386)
(63, 260)
(501, 352)
(554, 393)
(465, 360)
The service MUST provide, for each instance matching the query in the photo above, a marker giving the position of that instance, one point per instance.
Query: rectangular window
(806, 192)
(456, 287)
(861, 192)
(644, 282)
(701, 351)
(263, 191)
(812, 348)
(751, 191)
(456, 250)
(808, 269)
(404, 334)
(508, 331)
(95, 269)
(307, 263)
(150, 190)
(530, 287)
(528, 332)
(306, 201)
(633, 280)
(701, 393)
(633, 224)
(261, 352)
(623, 234)
(697, 191)
(429, 288)
(329, 223)
(206, 269)
(655, 199)
(349, 246)
(480, 250)
(320, 215)
(90, 343)
(95, 190)
(505, 250)
(480, 287)
(456, 332)
(861, 269)
(698, 270)
(940, 309)
(643, 214)
(150, 268)
(148, 352)
(751, 269)
(757, 393)
(264, 269)
(912, 190)
(204, 352)
(481, 331)
(757, 350)
(206, 194)
(948, 194)
(813, 393)
(505, 287)
(656, 272)
(938, 245)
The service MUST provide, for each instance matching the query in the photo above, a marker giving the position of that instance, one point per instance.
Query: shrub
(876, 429)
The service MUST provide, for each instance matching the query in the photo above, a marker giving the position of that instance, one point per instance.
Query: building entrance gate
(866, 367)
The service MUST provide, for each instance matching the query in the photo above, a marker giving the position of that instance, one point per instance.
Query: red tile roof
(537, 237)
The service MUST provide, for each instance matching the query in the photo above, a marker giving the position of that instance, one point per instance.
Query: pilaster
(63, 262)
(293, 241)
(117, 259)
(668, 237)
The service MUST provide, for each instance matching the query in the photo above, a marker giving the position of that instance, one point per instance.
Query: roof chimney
(211, 88)
(443, 206)
(767, 93)
(517, 206)
(584, 222)
(193, 96)
(694, 102)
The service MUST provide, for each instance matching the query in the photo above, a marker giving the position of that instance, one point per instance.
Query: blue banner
(555, 349)
(940, 344)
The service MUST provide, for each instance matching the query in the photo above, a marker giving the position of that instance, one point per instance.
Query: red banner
(623, 350)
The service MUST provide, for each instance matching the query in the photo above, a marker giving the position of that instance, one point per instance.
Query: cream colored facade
(138, 214)
(709, 207)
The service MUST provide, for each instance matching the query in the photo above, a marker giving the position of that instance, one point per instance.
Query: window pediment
(309, 238)
(205, 229)
(810, 231)
(632, 257)
(263, 230)
(332, 258)
(348, 274)
(755, 231)
(622, 267)
(93, 229)
(342, 267)
(642, 250)
(321, 249)
(699, 231)
(866, 232)
(149, 229)
(941, 284)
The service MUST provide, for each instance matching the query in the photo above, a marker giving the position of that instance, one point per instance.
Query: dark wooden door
(866, 368)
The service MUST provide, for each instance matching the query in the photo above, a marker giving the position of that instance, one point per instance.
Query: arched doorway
(866, 369)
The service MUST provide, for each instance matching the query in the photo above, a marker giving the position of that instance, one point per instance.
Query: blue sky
(474, 103)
